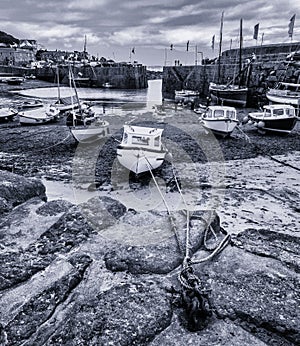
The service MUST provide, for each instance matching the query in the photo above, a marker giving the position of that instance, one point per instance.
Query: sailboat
(63, 104)
(84, 124)
(231, 93)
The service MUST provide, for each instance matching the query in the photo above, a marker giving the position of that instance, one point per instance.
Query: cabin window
(209, 114)
(231, 114)
(125, 138)
(156, 141)
(290, 112)
(140, 140)
(219, 113)
(278, 112)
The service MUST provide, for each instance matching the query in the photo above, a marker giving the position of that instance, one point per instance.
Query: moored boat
(228, 94)
(274, 118)
(221, 120)
(7, 113)
(287, 93)
(38, 116)
(29, 104)
(141, 149)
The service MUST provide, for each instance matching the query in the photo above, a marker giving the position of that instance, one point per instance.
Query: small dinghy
(7, 114)
(141, 149)
(38, 116)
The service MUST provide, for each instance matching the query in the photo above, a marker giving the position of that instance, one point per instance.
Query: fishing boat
(186, 95)
(7, 114)
(84, 124)
(287, 93)
(221, 120)
(38, 116)
(141, 149)
(234, 92)
(275, 118)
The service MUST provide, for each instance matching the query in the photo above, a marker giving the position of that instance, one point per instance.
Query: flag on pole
(291, 26)
(171, 47)
(133, 50)
(213, 43)
(255, 33)
(187, 46)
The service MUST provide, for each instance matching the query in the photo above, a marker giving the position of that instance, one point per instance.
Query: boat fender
(255, 124)
(250, 122)
(261, 124)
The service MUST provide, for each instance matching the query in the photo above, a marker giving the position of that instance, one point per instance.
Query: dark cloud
(114, 26)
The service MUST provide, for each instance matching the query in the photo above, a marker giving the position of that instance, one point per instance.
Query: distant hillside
(7, 39)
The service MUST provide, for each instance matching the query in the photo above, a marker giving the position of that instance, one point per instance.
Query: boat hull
(140, 160)
(284, 99)
(86, 134)
(222, 127)
(283, 125)
(221, 94)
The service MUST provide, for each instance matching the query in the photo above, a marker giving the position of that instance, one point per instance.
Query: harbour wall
(119, 76)
(270, 66)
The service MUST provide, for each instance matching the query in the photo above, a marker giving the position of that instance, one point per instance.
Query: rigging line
(166, 205)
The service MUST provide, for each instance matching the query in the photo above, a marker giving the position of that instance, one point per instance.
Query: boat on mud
(278, 118)
(221, 120)
(287, 93)
(7, 114)
(38, 116)
(141, 149)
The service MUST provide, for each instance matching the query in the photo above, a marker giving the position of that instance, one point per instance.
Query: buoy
(261, 124)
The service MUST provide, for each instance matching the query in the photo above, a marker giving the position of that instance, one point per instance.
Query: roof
(278, 106)
(229, 108)
(141, 130)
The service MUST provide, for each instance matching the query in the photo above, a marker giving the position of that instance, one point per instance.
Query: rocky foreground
(102, 274)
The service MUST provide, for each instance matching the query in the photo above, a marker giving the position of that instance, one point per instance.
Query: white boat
(141, 149)
(7, 113)
(287, 93)
(91, 130)
(38, 116)
(84, 124)
(274, 118)
(186, 93)
(221, 120)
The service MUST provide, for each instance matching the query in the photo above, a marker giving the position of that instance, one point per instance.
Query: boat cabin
(279, 111)
(138, 136)
(220, 112)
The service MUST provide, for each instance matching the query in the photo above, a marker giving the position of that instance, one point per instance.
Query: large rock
(15, 189)
(256, 284)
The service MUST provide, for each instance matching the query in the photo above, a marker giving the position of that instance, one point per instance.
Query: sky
(113, 27)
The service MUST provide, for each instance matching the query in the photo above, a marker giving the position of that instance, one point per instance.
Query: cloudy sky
(114, 27)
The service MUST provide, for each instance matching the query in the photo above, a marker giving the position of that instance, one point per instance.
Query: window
(219, 113)
(140, 140)
(231, 114)
(156, 141)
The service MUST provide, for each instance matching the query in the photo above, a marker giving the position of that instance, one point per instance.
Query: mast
(241, 47)
(58, 86)
(220, 47)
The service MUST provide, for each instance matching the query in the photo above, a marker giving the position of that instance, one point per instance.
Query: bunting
(291, 26)
(171, 47)
(133, 50)
(255, 33)
(187, 46)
